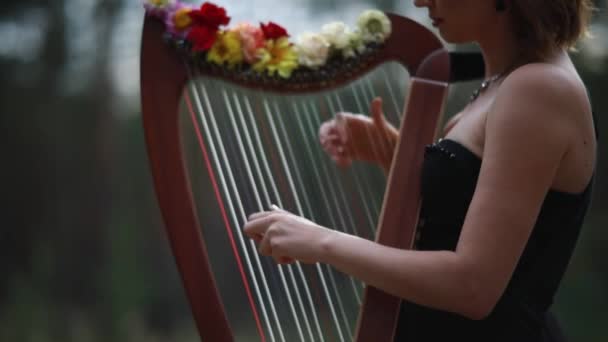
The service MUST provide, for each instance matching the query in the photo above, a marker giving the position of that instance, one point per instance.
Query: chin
(452, 38)
(457, 33)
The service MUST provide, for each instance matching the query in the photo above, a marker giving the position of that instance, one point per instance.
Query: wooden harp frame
(163, 77)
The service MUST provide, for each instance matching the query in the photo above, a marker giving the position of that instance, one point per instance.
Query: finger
(377, 114)
(278, 254)
(264, 247)
(257, 237)
(324, 130)
(276, 208)
(260, 225)
(331, 148)
(258, 215)
(343, 161)
(333, 138)
(328, 127)
(286, 260)
(282, 260)
(341, 128)
(335, 150)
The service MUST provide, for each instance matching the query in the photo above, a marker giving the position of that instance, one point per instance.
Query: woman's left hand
(287, 237)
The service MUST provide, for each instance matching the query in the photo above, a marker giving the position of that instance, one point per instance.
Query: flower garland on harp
(265, 49)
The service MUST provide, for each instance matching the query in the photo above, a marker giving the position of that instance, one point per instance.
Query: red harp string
(218, 196)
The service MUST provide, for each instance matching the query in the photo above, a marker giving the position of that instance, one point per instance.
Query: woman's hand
(350, 137)
(287, 237)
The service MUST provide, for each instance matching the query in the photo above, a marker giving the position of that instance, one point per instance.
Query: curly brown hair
(543, 25)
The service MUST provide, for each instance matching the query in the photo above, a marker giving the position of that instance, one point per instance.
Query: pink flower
(252, 39)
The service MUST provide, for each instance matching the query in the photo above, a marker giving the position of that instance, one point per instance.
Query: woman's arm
(525, 142)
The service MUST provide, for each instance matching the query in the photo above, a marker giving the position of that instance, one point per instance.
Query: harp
(167, 86)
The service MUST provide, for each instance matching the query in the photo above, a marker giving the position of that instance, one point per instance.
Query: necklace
(485, 85)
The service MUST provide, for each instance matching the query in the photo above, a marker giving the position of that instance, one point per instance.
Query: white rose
(312, 49)
(337, 34)
(374, 25)
(356, 45)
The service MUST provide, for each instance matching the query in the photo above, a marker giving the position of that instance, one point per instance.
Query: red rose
(210, 15)
(202, 37)
(273, 31)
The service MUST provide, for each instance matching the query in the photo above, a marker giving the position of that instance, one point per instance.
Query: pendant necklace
(485, 85)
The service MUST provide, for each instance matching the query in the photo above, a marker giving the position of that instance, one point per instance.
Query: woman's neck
(499, 59)
(501, 51)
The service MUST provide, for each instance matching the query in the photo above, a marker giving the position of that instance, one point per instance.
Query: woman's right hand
(349, 137)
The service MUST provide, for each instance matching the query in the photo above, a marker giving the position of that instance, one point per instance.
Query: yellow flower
(277, 56)
(226, 49)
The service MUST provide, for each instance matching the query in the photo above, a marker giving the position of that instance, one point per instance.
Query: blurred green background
(83, 252)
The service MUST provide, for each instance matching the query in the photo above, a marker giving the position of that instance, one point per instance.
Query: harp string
(370, 175)
(287, 143)
(321, 187)
(280, 202)
(303, 112)
(311, 158)
(385, 147)
(308, 118)
(286, 289)
(265, 192)
(300, 211)
(292, 180)
(330, 181)
(368, 93)
(206, 98)
(368, 89)
(334, 180)
(367, 198)
(277, 139)
(227, 226)
(289, 267)
(236, 223)
(389, 88)
(379, 83)
(370, 202)
(260, 207)
(380, 149)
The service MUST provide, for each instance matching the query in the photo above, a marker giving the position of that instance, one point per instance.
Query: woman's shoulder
(543, 110)
(555, 85)
(543, 94)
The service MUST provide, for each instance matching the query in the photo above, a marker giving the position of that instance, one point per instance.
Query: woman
(504, 193)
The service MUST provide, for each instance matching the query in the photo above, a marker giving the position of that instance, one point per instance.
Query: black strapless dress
(449, 177)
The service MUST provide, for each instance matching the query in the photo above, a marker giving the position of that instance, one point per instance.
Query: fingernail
(274, 207)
